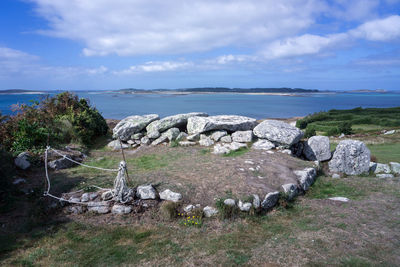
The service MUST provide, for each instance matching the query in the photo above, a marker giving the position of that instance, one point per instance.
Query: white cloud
(379, 30)
(157, 27)
(376, 30)
(155, 67)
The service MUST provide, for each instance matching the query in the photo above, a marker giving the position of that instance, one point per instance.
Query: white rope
(47, 192)
(84, 165)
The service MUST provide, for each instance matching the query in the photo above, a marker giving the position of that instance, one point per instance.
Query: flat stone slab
(278, 132)
(132, 125)
(230, 123)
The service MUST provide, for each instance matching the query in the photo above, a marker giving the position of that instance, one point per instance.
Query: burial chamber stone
(230, 123)
(278, 132)
(132, 125)
(351, 157)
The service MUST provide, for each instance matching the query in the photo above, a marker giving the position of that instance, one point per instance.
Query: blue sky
(104, 44)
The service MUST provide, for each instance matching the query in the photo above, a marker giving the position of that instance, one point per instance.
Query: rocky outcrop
(175, 121)
(22, 161)
(351, 157)
(263, 145)
(278, 132)
(132, 125)
(230, 123)
(242, 136)
(317, 148)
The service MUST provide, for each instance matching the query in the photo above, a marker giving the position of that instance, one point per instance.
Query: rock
(209, 211)
(22, 161)
(131, 125)
(153, 135)
(223, 122)
(116, 144)
(63, 163)
(278, 132)
(169, 195)
(187, 143)
(234, 146)
(270, 200)
(189, 208)
(131, 142)
(390, 132)
(243, 136)
(175, 121)
(121, 209)
(85, 197)
(203, 136)
(181, 136)
(342, 135)
(256, 201)
(351, 157)
(230, 202)
(342, 199)
(263, 144)
(217, 135)
(221, 149)
(206, 142)
(290, 190)
(137, 136)
(137, 142)
(382, 168)
(159, 140)
(286, 151)
(372, 166)
(226, 139)
(317, 148)
(244, 206)
(193, 137)
(171, 134)
(101, 207)
(75, 199)
(270, 152)
(249, 162)
(395, 166)
(19, 181)
(335, 176)
(306, 177)
(76, 209)
(107, 195)
(384, 175)
(145, 140)
(146, 192)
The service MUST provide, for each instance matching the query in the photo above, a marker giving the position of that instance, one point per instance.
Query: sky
(151, 44)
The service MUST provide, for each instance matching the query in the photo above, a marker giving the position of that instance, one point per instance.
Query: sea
(119, 106)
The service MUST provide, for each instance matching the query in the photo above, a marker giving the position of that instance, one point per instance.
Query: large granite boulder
(230, 123)
(132, 125)
(175, 121)
(278, 132)
(351, 157)
(317, 148)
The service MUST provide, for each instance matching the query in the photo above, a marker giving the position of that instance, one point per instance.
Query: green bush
(345, 127)
(310, 131)
(59, 119)
(333, 131)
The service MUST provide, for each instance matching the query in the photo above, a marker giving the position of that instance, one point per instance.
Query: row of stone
(289, 191)
(385, 170)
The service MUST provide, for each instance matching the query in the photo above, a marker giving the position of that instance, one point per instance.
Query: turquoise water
(256, 106)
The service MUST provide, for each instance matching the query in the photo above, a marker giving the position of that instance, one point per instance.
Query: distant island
(213, 90)
(21, 91)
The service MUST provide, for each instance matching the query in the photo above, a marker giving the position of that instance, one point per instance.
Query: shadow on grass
(33, 216)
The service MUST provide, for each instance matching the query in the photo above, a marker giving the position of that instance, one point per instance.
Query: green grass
(386, 153)
(326, 187)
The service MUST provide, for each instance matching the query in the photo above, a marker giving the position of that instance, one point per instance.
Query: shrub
(310, 131)
(59, 119)
(345, 127)
(332, 131)
(168, 210)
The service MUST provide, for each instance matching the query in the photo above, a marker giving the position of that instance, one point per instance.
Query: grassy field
(312, 231)
(358, 120)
